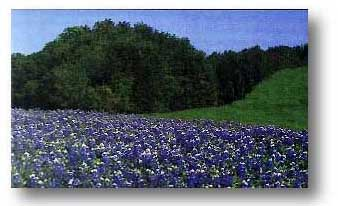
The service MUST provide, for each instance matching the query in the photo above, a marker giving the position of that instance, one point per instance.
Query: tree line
(117, 67)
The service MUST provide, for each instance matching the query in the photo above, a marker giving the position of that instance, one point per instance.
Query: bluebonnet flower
(73, 148)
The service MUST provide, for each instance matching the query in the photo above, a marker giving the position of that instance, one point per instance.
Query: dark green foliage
(136, 69)
(237, 73)
(280, 100)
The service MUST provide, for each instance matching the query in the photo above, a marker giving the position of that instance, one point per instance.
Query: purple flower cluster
(72, 148)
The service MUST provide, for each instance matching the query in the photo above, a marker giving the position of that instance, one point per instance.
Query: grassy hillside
(280, 100)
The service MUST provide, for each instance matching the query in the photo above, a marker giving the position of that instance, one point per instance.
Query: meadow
(233, 146)
(281, 100)
(72, 148)
(121, 105)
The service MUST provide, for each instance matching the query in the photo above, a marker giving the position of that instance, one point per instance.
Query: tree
(117, 67)
(71, 84)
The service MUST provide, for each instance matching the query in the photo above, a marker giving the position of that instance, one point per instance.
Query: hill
(280, 100)
(123, 68)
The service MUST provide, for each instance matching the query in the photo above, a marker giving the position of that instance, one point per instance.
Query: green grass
(280, 100)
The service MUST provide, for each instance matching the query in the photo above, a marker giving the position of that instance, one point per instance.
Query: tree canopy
(117, 67)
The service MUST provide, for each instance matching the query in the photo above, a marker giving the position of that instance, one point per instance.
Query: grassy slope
(281, 100)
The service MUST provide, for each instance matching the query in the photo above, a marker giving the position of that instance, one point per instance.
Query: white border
(322, 110)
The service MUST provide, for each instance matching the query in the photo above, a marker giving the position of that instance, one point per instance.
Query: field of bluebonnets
(73, 148)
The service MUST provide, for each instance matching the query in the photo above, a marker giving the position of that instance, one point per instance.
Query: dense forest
(117, 67)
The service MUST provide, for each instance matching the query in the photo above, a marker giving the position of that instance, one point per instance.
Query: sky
(207, 30)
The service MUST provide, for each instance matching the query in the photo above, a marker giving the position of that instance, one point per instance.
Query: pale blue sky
(208, 30)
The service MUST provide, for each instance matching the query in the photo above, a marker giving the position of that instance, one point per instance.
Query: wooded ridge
(117, 67)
